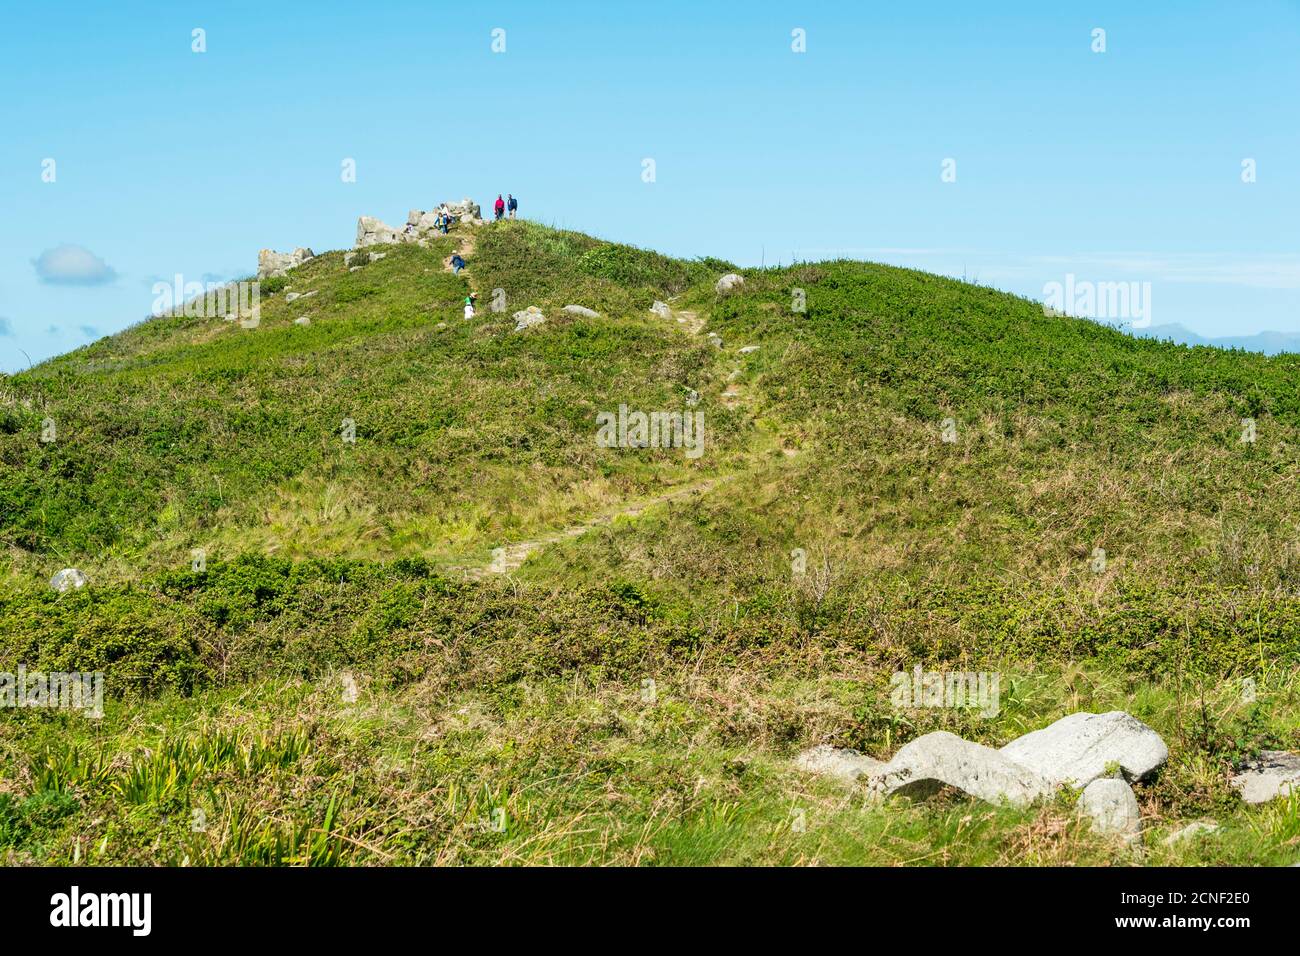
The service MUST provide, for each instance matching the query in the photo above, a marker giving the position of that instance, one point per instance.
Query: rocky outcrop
(1079, 748)
(374, 232)
(1112, 807)
(271, 263)
(1276, 773)
(419, 226)
(1078, 751)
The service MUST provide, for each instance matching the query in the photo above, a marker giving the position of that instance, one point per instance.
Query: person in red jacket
(500, 206)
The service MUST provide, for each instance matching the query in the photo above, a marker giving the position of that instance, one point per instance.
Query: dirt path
(511, 557)
(468, 237)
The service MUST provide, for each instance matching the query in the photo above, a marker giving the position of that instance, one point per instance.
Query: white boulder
(529, 317)
(922, 767)
(582, 310)
(1112, 806)
(1079, 748)
(661, 309)
(729, 283)
(1274, 774)
(69, 579)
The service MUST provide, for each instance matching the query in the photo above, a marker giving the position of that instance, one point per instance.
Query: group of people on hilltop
(502, 205)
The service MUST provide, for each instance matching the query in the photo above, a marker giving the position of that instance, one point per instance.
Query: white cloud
(73, 265)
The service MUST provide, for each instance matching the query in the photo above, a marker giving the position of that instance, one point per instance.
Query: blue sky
(1115, 166)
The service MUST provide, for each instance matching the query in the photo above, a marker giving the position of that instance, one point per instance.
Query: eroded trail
(510, 557)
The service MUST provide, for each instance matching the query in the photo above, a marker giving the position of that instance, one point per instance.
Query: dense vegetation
(342, 683)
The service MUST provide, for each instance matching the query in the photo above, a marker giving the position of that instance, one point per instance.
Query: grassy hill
(349, 679)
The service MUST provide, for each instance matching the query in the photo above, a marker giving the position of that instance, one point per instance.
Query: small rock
(729, 283)
(582, 310)
(842, 764)
(1274, 774)
(355, 269)
(291, 296)
(529, 317)
(1192, 830)
(922, 767)
(68, 579)
(1078, 748)
(1112, 806)
(748, 348)
(376, 256)
(716, 339)
(661, 309)
(302, 320)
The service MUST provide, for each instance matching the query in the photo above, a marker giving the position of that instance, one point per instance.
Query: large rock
(529, 317)
(1274, 774)
(271, 263)
(69, 579)
(661, 309)
(1112, 806)
(922, 767)
(374, 232)
(464, 211)
(1077, 749)
(729, 283)
(846, 766)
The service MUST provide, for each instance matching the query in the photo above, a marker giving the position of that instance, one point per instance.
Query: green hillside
(474, 635)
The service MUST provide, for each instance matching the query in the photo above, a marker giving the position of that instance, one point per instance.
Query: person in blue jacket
(512, 204)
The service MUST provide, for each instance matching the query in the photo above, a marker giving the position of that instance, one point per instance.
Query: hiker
(469, 304)
(512, 205)
(457, 263)
(500, 207)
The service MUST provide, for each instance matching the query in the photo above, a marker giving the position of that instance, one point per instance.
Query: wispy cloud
(73, 265)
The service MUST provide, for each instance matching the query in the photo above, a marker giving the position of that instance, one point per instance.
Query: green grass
(500, 721)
